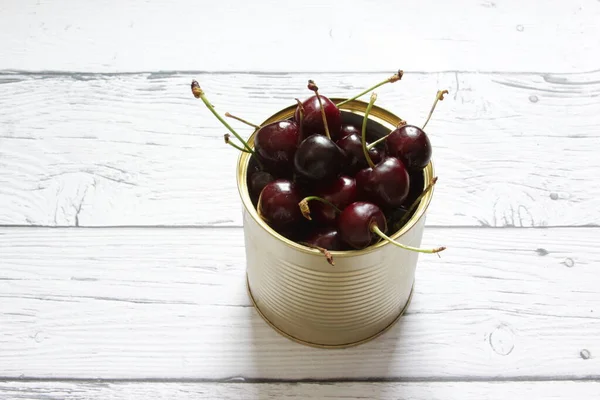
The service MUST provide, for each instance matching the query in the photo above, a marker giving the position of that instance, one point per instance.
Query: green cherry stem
(415, 203)
(364, 130)
(242, 120)
(439, 96)
(199, 94)
(227, 138)
(394, 78)
(378, 231)
(375, 143)
(312, 86)
(382, 139)
(306, 210)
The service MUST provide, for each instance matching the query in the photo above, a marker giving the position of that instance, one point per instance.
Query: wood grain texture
(363, 35)
(97, 150)
(172, 303)
(19, 390)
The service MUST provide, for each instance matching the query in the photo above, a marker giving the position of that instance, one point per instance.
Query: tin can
(312, 302)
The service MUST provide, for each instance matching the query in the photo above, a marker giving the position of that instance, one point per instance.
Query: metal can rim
(378, 114)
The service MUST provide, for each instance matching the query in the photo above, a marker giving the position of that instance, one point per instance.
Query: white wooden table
(121, 250)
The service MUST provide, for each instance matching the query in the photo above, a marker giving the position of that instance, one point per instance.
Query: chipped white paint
(96, 150)
(309, 35)
(172, 303)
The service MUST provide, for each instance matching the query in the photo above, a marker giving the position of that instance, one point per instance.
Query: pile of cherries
(331, 185)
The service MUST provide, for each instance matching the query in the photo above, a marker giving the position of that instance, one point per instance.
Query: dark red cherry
(278, 204)
(410, 145)
(318, 158)
(327, 238)
(340, 193)
(355, 156)
(387, 184)
(417, 184)
(355, 221)
(258, 180)
(313, 120)
(349, 129)
(276, 144)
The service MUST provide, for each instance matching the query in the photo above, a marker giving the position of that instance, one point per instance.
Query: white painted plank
(96, 150)
(568, 390)
(172, 303)
(311, 35)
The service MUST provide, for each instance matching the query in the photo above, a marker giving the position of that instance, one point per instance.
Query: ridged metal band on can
(303, 297)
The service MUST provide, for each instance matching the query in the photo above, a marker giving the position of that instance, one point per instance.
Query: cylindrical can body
(308, 300)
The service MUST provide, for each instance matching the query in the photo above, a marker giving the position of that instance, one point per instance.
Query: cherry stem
(242, 120)
(394, 78)
(312, 86)
(227, 138)
(375, 143)
(306, 210)
(325, 252)
(199, 94)
(378, 231)
(364, 130)
(301, 111)
(415, 203)
(439, 96)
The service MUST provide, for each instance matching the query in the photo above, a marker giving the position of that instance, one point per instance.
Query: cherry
(327, 238)
(354, 224)
(330, 199)
(362, 223)
(278, 204)
(276, 144)
(411, 145)
(324, 240)
(318, 158)
(352, 146)
(348, 129)
(258, 180)
(387, 183)
(317, 110)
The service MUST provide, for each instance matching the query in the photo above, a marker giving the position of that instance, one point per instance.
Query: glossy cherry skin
(355, 221)
(276, 144)
(387, 184)
(327, 238)
(417, 185)
(355, 156)
(348, 129)
(278, 204)
(258, 180)
(340, 193)
(313, 120)
(410, 145)
(318, 159)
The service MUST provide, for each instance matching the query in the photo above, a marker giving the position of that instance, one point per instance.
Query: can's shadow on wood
(280, 358)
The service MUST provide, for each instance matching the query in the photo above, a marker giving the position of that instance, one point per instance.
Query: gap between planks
(242, 380)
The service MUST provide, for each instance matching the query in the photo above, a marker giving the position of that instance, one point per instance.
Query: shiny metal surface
(303, 297)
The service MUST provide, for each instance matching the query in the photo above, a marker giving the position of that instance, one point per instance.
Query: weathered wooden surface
(97, 150)
(172, 303)
(19, 390)
(311, 35)
(97, 129)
